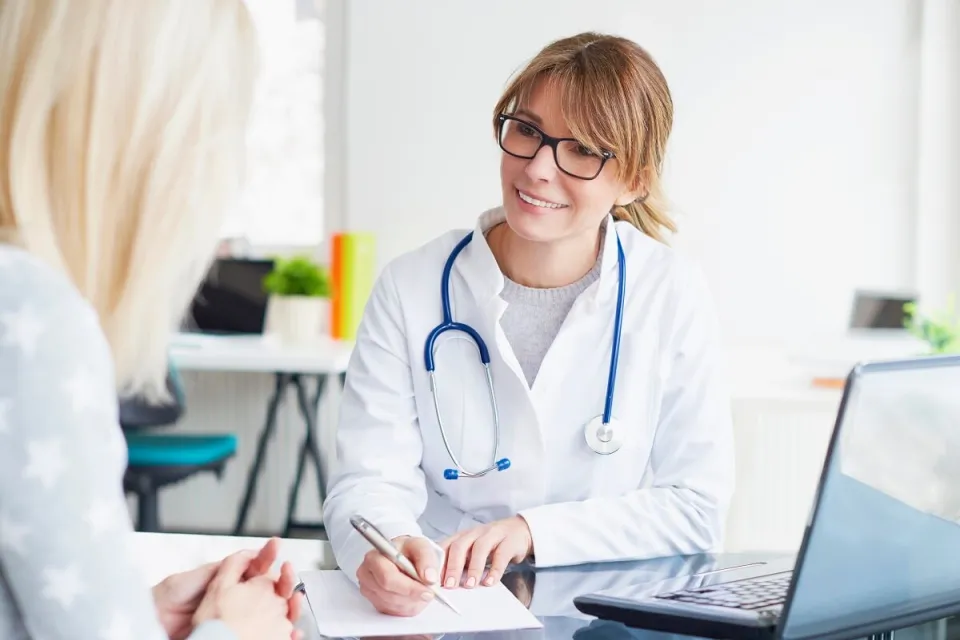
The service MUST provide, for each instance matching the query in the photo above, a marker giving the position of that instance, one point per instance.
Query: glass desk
(549, 594)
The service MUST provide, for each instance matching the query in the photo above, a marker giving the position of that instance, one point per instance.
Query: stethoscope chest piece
(603, 438)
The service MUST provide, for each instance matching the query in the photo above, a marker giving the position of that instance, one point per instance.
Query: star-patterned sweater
(66, 564)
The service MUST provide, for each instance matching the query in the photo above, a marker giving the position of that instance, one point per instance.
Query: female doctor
(546, 386)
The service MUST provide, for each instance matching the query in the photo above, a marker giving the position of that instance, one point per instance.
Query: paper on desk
(341, 611)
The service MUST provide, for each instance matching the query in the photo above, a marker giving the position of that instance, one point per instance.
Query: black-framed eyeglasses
(523, 139)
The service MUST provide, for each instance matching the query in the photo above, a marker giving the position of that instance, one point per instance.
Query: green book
(359, 272)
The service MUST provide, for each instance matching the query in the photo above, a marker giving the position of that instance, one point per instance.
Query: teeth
(540, 203)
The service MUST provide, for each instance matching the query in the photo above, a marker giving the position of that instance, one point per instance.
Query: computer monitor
(231, 299)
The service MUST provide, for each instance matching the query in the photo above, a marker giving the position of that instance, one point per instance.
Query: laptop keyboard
(752, 594)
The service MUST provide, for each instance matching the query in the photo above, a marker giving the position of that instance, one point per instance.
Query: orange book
(829, 383)
(336, 286)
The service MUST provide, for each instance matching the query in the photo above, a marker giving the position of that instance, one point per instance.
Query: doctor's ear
(636, 191)
(631, 196)
(636, 195)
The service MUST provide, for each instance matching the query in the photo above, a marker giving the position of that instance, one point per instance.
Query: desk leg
(282, 379)
(309, 447)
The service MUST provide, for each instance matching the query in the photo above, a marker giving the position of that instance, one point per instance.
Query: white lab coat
(665, 492)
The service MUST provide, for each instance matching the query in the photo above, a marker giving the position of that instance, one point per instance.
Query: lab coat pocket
(466, 414)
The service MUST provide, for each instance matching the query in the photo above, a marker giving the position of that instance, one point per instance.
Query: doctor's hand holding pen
(389, 589)
(468, 554)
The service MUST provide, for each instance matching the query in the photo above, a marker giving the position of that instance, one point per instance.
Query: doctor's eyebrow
(529, 115)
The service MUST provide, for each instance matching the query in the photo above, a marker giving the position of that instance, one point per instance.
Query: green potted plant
(941, 330)
(299, 290)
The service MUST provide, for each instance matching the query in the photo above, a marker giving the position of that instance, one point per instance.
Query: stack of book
(353, 272)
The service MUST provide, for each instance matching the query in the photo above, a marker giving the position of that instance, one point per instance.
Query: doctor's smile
(545, 387)
(537, 203)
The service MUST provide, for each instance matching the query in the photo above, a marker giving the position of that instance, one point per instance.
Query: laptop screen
(878, 311)
(231, 299)
(884, 543)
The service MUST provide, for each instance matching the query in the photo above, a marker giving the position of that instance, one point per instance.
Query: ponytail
(647, 216)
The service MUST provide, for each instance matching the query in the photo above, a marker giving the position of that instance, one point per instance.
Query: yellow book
(358, 271)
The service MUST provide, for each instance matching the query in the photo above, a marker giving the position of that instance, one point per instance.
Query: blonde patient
(121, 131)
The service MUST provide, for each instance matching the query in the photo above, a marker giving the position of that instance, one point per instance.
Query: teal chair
(157, 460)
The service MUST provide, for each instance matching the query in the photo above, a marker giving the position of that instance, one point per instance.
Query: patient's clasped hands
(490, 547)
(239, 591)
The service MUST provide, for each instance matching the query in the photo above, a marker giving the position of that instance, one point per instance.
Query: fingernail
(451, 581)
(427, 595)
(471, 581)
(488, 580)
(430, 574)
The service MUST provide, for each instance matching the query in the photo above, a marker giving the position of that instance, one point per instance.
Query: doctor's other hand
(500, 542)
(251, 608)
(393, 592)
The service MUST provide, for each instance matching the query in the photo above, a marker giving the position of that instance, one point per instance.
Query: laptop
(231, 300)
(881, 548)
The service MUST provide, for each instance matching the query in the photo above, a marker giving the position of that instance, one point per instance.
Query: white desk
(264, 354)
(324, 361)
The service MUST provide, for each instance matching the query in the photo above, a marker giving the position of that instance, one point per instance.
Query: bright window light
(282, 199)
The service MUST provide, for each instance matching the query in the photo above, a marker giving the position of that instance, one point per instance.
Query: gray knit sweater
(533, 318)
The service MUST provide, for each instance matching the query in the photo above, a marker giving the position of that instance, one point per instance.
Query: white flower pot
(298, 320)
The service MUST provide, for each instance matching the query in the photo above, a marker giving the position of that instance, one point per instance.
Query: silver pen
(384, 546)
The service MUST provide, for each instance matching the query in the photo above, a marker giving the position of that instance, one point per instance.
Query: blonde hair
(613, 97)
(122, 129)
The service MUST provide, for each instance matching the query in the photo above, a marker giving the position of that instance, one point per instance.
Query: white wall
(792, 155)
(938, 161)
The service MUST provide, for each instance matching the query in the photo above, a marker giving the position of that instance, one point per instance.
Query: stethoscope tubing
(617, 332)
(448, 324)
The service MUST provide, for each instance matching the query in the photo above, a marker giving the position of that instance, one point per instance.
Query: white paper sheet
(341, 611)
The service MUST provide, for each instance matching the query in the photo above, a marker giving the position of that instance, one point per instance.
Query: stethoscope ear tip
(451, 474)
(503, 464)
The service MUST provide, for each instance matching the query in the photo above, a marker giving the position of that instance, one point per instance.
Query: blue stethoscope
(601, 434)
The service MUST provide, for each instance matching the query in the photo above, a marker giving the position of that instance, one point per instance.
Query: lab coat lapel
(477, 265)
(485, 281)
(606, 291)
(525, 444)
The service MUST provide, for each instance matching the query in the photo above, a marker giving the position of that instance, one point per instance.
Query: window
(281, 203)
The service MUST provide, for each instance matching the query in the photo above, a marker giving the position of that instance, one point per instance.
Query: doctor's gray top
(67, 569)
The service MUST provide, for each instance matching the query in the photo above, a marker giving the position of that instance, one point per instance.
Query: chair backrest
(137, 413)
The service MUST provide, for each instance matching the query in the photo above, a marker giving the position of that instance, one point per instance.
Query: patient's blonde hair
(121, 140)
(614, 97)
